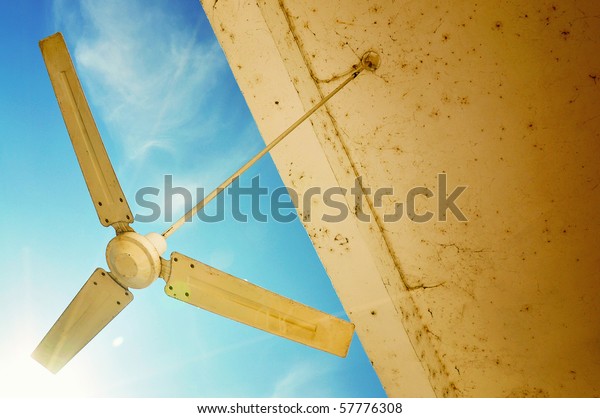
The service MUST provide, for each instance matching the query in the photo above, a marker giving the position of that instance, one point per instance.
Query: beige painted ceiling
(501, 97)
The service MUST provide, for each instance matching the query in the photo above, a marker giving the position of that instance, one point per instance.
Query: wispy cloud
(162, 91)
(306, 378)
(145, 69)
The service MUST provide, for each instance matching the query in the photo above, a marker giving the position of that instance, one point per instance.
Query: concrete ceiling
(499, 97)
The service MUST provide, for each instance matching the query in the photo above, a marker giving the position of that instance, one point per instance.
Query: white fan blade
(102, 183)
(218, 292)
(100, 299)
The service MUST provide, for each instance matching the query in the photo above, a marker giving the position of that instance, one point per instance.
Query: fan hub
(134, 259)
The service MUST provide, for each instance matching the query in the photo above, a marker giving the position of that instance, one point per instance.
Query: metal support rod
(177, 224)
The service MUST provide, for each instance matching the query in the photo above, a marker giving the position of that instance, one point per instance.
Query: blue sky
(165, 103)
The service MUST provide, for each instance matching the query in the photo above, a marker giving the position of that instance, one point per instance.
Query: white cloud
(145, 69)
(161, 91)
(305, 378)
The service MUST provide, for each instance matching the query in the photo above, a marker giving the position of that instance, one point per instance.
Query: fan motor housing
(134, 259)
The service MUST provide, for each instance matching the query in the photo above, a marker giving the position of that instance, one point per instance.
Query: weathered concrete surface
(503, 98)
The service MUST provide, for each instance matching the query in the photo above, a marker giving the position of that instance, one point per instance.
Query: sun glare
(24, 377)
(117, 342)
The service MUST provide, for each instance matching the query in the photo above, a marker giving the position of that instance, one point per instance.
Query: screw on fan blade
(102, 183)
(205, 287)
(98, 302)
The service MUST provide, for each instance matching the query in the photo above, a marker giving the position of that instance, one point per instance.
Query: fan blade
(102, 183)
(218, 292)
(100, 300)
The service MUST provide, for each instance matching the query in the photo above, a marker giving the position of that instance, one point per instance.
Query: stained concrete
(499, 97)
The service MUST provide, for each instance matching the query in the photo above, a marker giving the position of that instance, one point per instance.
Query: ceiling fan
(135, 260)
